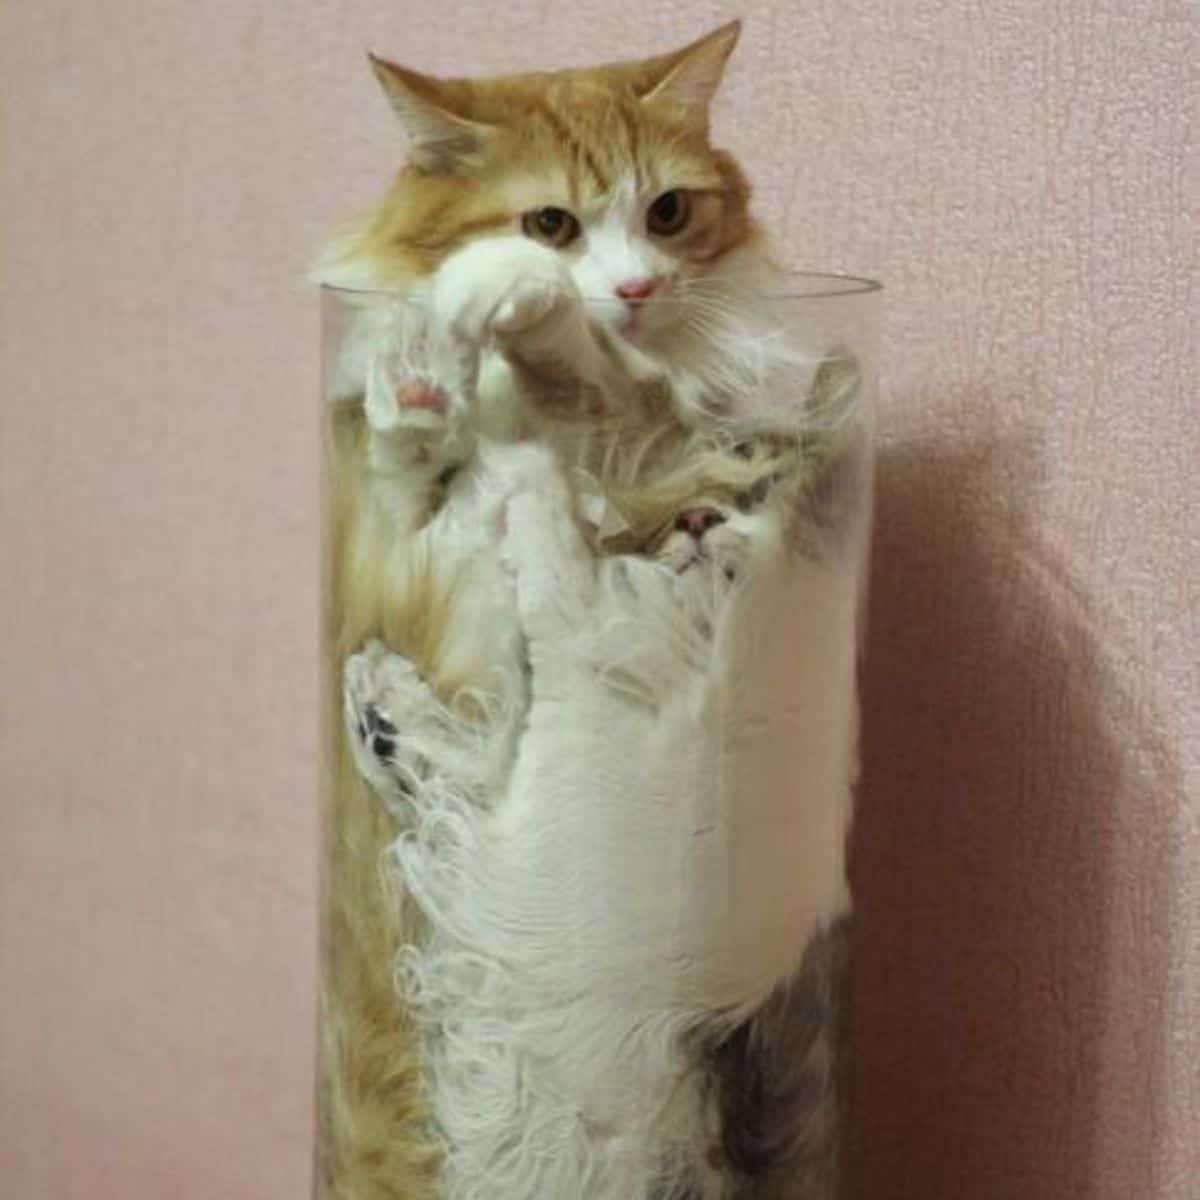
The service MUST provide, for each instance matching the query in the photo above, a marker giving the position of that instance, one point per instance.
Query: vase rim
(788, 285)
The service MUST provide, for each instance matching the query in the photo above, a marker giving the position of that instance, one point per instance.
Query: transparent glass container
(590, 744)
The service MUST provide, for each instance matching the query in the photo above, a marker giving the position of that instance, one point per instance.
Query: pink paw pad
(417, 393)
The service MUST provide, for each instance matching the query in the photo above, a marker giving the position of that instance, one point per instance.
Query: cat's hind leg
(553, 569)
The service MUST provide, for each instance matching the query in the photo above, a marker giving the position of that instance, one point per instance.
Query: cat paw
(729, 555)
(417, 423)
(382, 698)
(407, 404)
(512, 290)
(836, 384)
(419, 394)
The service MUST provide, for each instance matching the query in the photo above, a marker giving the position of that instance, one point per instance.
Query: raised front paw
(512, 290)
(418, 390)
(384, 701)
(407, 403)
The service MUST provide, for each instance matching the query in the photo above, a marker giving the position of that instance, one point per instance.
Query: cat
(568, 377)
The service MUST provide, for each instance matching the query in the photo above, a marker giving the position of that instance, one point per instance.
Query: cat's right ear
(440, 138)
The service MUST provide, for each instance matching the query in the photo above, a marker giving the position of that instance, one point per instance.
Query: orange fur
(370, 1114)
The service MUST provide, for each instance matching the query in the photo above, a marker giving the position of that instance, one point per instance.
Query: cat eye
(554, 226)
(669, 213)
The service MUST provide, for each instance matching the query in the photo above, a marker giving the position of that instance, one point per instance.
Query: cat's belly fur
(671, 837)
(661, 865)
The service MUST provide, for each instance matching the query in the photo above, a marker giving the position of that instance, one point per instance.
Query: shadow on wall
(996, 767)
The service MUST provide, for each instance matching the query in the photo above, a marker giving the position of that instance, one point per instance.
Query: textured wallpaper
(1021, 173)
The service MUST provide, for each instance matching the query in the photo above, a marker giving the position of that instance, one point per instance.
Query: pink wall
(1028, 1005)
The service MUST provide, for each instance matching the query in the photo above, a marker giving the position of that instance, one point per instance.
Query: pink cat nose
(637, 289)
(698, 521)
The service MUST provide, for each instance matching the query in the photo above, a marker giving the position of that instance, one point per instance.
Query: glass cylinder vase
(594, 599)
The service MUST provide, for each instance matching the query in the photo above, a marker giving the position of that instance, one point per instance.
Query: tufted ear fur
(430, 110)
(688, 79)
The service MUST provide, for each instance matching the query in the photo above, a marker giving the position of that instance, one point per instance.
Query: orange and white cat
(598, 645)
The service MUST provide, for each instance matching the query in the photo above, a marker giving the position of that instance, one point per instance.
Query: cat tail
(782, 1081)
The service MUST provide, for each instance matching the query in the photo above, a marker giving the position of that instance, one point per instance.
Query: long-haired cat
(579, 265)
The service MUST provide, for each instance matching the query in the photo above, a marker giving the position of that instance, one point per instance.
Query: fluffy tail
(373, 1139)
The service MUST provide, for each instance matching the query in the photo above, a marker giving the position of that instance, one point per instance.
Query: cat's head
(610, 166)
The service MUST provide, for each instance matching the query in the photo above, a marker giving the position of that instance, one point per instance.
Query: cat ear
(688, 78)
(440, 136)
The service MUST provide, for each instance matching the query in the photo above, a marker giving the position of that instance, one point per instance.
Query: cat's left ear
(689, 78)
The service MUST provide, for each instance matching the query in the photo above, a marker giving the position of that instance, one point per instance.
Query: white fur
(639, 842)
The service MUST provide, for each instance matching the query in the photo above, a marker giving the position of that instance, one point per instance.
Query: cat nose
(637, 289)
(698, 521)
